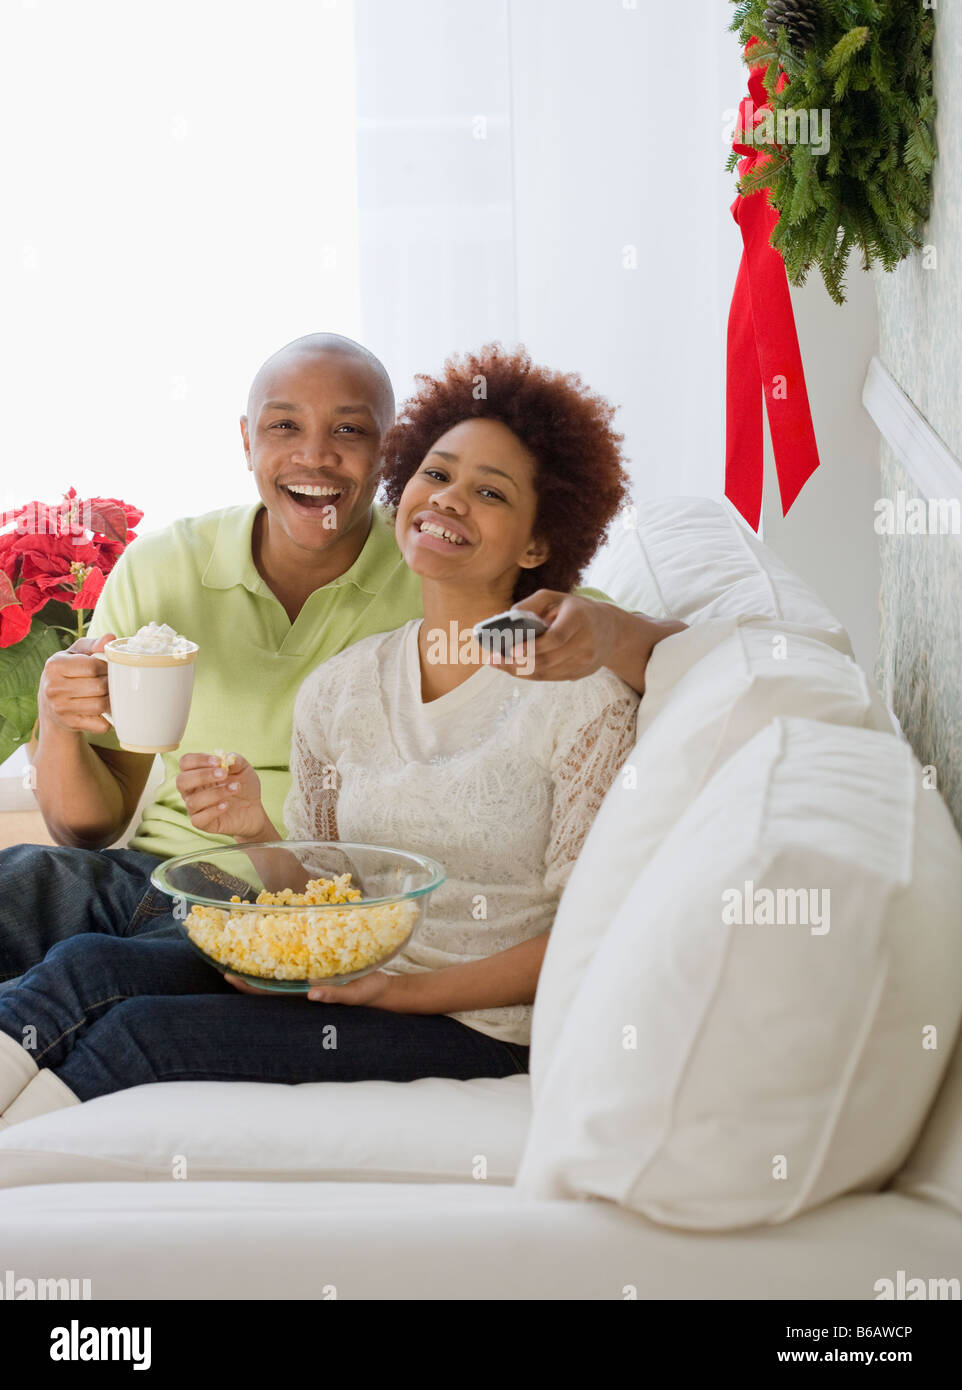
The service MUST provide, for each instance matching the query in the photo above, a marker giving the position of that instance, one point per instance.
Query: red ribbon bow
(763, 353)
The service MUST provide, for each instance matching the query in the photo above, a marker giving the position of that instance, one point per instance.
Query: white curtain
(435, 188)
(552, 172)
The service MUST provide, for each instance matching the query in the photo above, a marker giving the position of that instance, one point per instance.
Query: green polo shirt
(199, 576)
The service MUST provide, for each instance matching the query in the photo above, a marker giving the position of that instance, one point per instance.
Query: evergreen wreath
(869, 64)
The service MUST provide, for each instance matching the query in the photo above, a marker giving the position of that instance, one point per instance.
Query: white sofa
(642, 1178)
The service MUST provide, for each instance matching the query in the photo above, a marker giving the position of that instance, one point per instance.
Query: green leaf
(762, 176)
(742, 11)
(56, 611)
(9, 742)
(803, 199)
(19, 712)
(841, 85)
(21, 665)
(20, 669)
(846, 48)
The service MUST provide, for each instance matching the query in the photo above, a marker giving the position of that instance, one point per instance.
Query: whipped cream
(158, 638)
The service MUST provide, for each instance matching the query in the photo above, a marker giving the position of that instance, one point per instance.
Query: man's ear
(535, 555)
(245, 435)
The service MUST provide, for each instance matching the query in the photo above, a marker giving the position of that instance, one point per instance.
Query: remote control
(506, 630)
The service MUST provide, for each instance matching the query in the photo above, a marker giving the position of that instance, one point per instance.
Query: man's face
(313, 439)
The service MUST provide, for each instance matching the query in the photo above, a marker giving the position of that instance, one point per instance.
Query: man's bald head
(318, 346)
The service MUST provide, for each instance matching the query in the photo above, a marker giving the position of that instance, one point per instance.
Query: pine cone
(799, 17)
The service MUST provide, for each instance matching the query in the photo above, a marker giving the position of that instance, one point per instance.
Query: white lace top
(499, 779)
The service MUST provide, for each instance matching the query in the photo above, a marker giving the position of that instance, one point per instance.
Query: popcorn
(227, 761)
(158, 639)
(302, 945)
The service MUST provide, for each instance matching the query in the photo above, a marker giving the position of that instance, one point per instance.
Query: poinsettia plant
(53, 563)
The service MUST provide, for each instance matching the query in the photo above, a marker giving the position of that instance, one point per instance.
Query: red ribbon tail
(779, 356)
(743, 424)
(762, 312)
(764, 359)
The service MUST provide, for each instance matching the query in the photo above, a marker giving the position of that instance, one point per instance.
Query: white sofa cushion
(934, 1168)
(713, 1074)
(389, 1241)
(432, 1130)
(708, 691)
(694, 558)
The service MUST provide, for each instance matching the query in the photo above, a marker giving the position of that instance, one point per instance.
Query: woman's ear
(536, 554)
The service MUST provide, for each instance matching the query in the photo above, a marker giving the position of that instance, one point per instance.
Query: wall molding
(925, 457)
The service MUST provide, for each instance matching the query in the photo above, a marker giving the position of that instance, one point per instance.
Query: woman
(504, 477)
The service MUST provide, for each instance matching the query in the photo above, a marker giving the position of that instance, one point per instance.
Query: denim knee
(123, 1033)
(87, 949)
(111, 1056)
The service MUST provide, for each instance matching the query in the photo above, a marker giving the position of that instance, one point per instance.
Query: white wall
(829, 535)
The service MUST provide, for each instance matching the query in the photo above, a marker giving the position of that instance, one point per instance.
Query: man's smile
(312, 496)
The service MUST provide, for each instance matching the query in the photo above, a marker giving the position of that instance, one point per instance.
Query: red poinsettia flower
(109, 552)
(75, 581)
(62, 552)
(31, 597)
(9, 559)
(47, 560)
(14, 625)
(109, 517)
(103, 507)
(14, 620)
(90, 581)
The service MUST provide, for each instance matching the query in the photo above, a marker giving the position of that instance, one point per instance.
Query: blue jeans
(104, 1013)
(51, 892)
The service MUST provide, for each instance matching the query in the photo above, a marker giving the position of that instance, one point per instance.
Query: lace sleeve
(582, 777)
(310, 810)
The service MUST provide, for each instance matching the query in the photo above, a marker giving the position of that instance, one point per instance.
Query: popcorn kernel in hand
(227, 760)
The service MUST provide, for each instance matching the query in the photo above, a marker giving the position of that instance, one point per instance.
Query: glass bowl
(288, 947)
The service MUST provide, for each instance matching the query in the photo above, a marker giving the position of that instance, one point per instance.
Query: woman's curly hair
(580, 479)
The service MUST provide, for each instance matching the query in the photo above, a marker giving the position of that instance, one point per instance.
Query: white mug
(149, 696)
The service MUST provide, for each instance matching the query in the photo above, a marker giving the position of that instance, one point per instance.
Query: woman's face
(476, 485)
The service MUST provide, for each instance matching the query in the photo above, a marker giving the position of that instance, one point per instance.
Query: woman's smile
(439, 533)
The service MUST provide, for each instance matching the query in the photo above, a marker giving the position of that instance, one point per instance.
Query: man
(268, 591)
